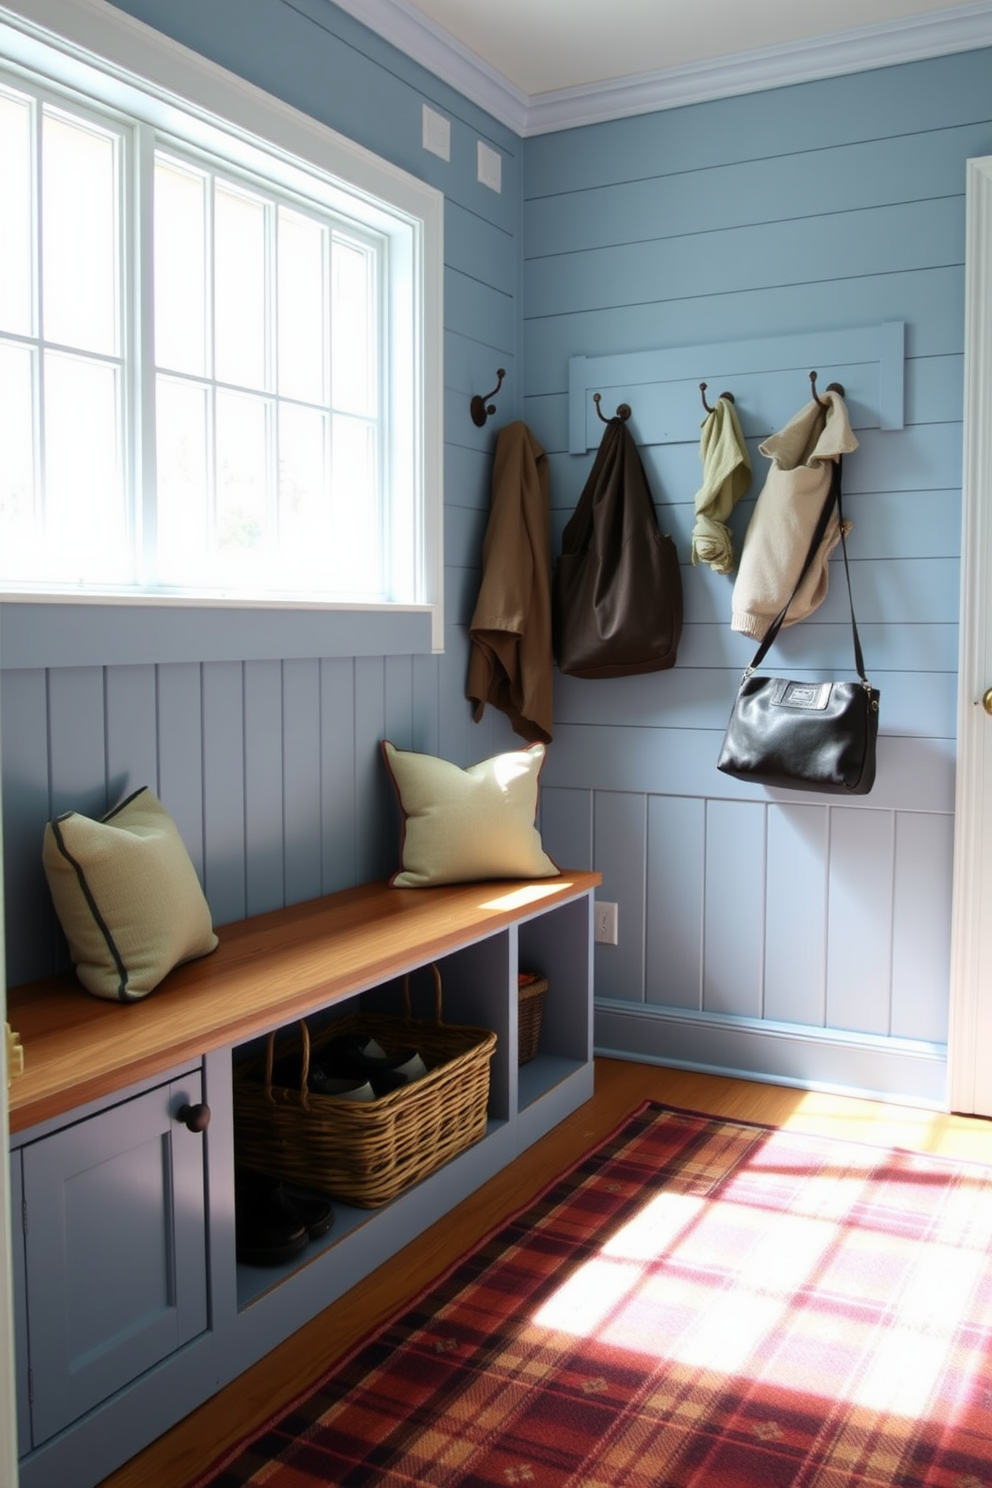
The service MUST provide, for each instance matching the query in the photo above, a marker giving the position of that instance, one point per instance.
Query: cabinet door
(115, 1250)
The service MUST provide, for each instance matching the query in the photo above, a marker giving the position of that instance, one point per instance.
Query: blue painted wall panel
(675, 899)
(733, 913)
(796, 915)
(468, 470)
(811, 183)
(859, 921)
(620, 854)
(338, 817)
(76, 748)
(301, 785)
(181, 754)
(914, 703)
(918, 235)
(921, 931)
(566, 827)
(224, 790)
(263, 774)
(482, 250)
(131, 733)
(373, 809)
(33, 939)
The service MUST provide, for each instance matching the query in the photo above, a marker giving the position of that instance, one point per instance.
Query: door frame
(969, 1045)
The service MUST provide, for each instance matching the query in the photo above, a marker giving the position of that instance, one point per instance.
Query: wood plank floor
(177, 1458)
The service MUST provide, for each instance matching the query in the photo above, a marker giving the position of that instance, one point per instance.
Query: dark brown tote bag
(617, 589)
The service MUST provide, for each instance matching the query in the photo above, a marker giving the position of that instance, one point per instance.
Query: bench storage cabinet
(130, 1305)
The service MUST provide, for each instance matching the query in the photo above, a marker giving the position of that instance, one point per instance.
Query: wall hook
(623, 409)
(702, 393)
(480, 412)
(832, 387)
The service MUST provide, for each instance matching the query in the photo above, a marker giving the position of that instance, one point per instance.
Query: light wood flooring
(178, 1457)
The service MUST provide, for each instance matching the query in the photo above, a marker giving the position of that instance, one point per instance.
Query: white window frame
(80, 43)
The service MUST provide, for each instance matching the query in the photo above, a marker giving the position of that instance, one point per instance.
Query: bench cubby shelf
(130, 1305)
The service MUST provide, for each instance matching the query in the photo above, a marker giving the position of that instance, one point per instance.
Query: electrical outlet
(606, 922)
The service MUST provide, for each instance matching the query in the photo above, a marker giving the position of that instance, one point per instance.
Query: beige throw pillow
(127, 896)
(462, 825)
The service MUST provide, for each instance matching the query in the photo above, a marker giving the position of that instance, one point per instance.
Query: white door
(970, 1037)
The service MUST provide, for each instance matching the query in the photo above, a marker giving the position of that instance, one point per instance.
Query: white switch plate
(436, 133)
(606, 922)
(490, 167)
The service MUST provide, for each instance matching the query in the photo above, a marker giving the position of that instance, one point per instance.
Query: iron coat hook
(832, 387)
(623, 409)
(702, 393)
(480, 412)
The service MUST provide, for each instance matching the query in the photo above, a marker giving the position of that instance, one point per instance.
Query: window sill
(71, 633)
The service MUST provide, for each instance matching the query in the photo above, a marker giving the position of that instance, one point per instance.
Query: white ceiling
(541, 46)
(544, 64)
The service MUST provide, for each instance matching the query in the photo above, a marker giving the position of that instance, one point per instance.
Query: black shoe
(311, 1208)
(268, 1229)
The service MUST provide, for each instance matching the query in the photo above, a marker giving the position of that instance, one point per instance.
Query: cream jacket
(785, 515)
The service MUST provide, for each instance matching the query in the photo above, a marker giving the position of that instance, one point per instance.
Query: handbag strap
(833, 498)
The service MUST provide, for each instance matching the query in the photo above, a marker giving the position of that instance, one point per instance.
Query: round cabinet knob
(196, 1118)
(987, 700)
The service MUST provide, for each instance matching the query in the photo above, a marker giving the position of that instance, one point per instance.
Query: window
(219, 338)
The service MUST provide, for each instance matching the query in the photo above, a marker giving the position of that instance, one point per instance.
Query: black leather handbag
(617, 589)
(815, 736)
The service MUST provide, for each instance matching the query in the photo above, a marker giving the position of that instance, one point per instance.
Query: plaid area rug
(698, 1303)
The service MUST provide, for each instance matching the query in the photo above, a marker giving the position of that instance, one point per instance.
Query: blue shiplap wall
(797, 941)
(271, 768)
(793, 938)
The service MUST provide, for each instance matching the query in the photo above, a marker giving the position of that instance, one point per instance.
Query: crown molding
(933, 34)
(937, 33)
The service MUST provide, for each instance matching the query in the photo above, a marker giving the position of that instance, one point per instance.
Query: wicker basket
(530, 1010)
(366, 1153)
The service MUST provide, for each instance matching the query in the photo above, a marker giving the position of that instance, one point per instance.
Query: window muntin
(269, 414)
(376, 431)
(62, 506)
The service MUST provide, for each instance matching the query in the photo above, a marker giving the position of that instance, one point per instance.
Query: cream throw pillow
(461, 825)
(127, 896)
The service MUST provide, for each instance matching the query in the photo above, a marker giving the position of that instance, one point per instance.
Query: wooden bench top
(266, 971)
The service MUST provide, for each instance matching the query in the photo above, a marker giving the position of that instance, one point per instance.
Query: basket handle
(304, 1066)
(437, 996)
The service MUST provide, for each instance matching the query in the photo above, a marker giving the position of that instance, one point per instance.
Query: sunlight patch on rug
(862, 1287)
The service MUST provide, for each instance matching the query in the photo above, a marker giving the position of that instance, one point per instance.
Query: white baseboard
(907, 1071)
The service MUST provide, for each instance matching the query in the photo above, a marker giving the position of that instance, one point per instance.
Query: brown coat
(511, 661)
